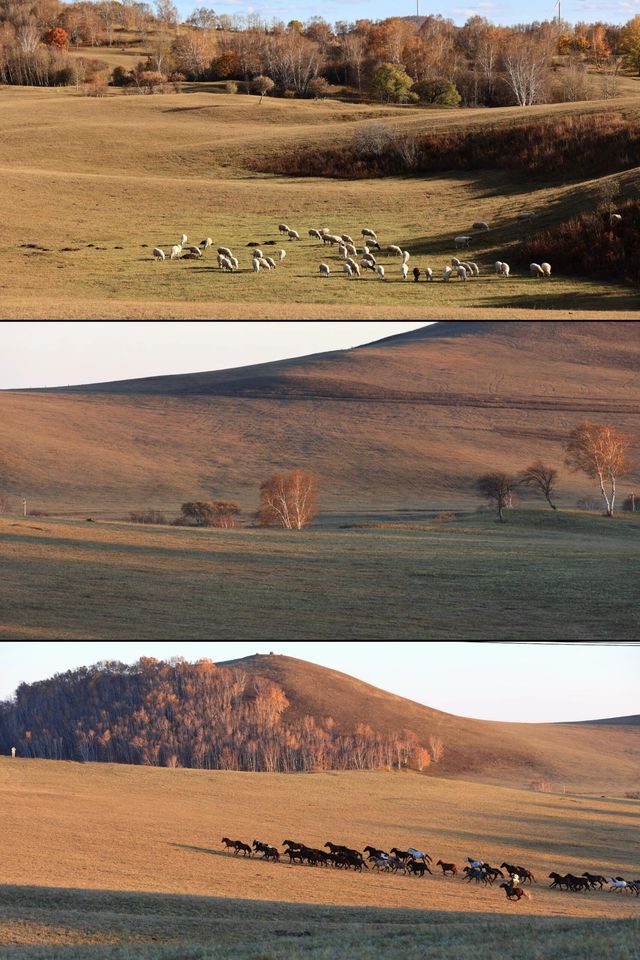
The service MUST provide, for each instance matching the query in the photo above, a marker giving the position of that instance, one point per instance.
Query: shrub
(120, 77)
(391, 82)
(96, 87)
(148, 516)
(318, 88)
(56, 37)
(231, 86)
(438, 91)
(289, 94)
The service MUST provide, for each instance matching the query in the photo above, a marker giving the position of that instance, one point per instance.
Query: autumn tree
(526, 65)
(630, 45)
(437, 748)
(542, 478)
(602, 452)
(262, 85)
(498, 488)
(56, 37)
(289, 500)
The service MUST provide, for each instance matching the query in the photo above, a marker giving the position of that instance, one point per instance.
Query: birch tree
(525, 68)
(602, 452)
(289, 500)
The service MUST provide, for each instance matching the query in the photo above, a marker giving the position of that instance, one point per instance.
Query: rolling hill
(405, 423)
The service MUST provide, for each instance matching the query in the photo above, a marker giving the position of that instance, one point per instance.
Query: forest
(196, 715)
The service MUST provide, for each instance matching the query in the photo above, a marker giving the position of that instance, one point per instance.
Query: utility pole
(24, 506)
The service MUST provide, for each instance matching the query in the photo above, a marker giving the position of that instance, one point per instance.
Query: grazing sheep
(256, 265)
(283, 228)
(506, 270)
(352, 263)
(158, 254)
(370, 257)
(546, 269)
(428, 272)
(498, 266)
(475, 269)
(462, 273)
(257, 253)
(351, 250)
(315, 234)
(224, 252)
(234, 262)
(367, 265)
(183, 239)
(464, 240)
(455, 262)
(282, 254)
(395, 251)
(334, 239)
(374, 243)
(480, 225)
(327, 238)
(293, 235)
(404, 270)
(324, 270)
(225, 264)
(536, 270)
(446, 274)
(342, 250)
(346, 238)
(368, 233)
(176, 250)
(206, 243)
(406, 256)
(526, 216)
(196, 251)
(379, 270)
(271, 262)
(348, 269)
(264, 263)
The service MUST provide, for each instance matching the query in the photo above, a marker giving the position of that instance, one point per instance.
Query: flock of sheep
(354, 261)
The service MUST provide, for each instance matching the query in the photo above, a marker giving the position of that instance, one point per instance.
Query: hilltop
(405, 423)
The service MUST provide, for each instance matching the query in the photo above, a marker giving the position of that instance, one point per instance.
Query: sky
(505, 13)
(48, 353)
(523, 683)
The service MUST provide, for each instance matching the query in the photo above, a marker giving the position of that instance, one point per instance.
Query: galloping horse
(447, 868)
(514, 893)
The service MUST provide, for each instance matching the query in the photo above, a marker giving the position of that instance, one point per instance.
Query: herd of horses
(417, 863)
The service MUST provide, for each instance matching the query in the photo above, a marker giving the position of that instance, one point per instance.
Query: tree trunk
(550, 502)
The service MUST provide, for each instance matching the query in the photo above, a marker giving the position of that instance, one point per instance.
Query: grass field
(95, 184)
(121, 862)
(539, 577)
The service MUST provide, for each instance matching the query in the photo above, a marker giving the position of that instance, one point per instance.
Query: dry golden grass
(105, 177)
(400, 426)
(95, 856)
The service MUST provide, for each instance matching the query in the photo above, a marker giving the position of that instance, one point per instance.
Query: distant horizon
(39, 355)
(509, 683)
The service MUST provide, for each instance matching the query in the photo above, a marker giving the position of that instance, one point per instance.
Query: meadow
(117, 862)
(540, 576)
(91, 185)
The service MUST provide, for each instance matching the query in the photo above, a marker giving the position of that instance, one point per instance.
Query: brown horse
(514, 893)
(447, 868)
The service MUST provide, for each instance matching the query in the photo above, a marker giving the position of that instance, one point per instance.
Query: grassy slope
(542, 576)
(405, 424)
(184, 169)
(103, 829)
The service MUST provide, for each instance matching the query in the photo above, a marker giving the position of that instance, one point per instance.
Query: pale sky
(49, 353)
(527, 683)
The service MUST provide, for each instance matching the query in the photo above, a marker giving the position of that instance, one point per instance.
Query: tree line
(195, 715)
(398, 59)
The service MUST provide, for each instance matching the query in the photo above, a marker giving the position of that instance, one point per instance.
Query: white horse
(418, 855)
(618, 884)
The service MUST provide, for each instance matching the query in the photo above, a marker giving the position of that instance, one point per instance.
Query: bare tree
(288, 500)
(437, 749)
(498, 488)
(526, 66)
(540, 477)
(602, 452)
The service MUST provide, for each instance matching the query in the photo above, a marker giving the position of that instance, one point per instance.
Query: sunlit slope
(406, 423)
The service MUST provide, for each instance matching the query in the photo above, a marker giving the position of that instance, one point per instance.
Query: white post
(24, 506)
(13, 751)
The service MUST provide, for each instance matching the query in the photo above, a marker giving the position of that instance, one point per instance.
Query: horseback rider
(514, 882)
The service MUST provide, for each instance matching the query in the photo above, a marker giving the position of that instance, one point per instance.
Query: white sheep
(283, 228)
(293, 235)
(506, 270)
(462, 273)
(327, 237)
(225, 264)
(224, 252)
(158, 254)
(455, 262)
(195, 251)
(428, 272)
(282, 254)
(395, 251)
(342, 250)
(264, 263)
(464, 240)
(346, 238)
(536, 270)
(271, 262)
(324, 270)
(234, 262)
(374, 243)
(315, 234)
(256, 265)
(183, 239)
(546, 269)
(475, 269)
(348, 269)
(368, 233)
(406, 256)
(446, 274)
(176, 250)
(371, 259)
(206, 243)
(367, 265)
(467, 266)
(257, 254)
(379, 270)
(498, 266)
(404, 270)
(351, 250)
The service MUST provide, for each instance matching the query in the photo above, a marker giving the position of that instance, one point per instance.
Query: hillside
(587, 756)
(406, 423)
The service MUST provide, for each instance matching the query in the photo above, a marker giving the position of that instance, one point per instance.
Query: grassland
(120, 862)
(95, 184)
(541, 576)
